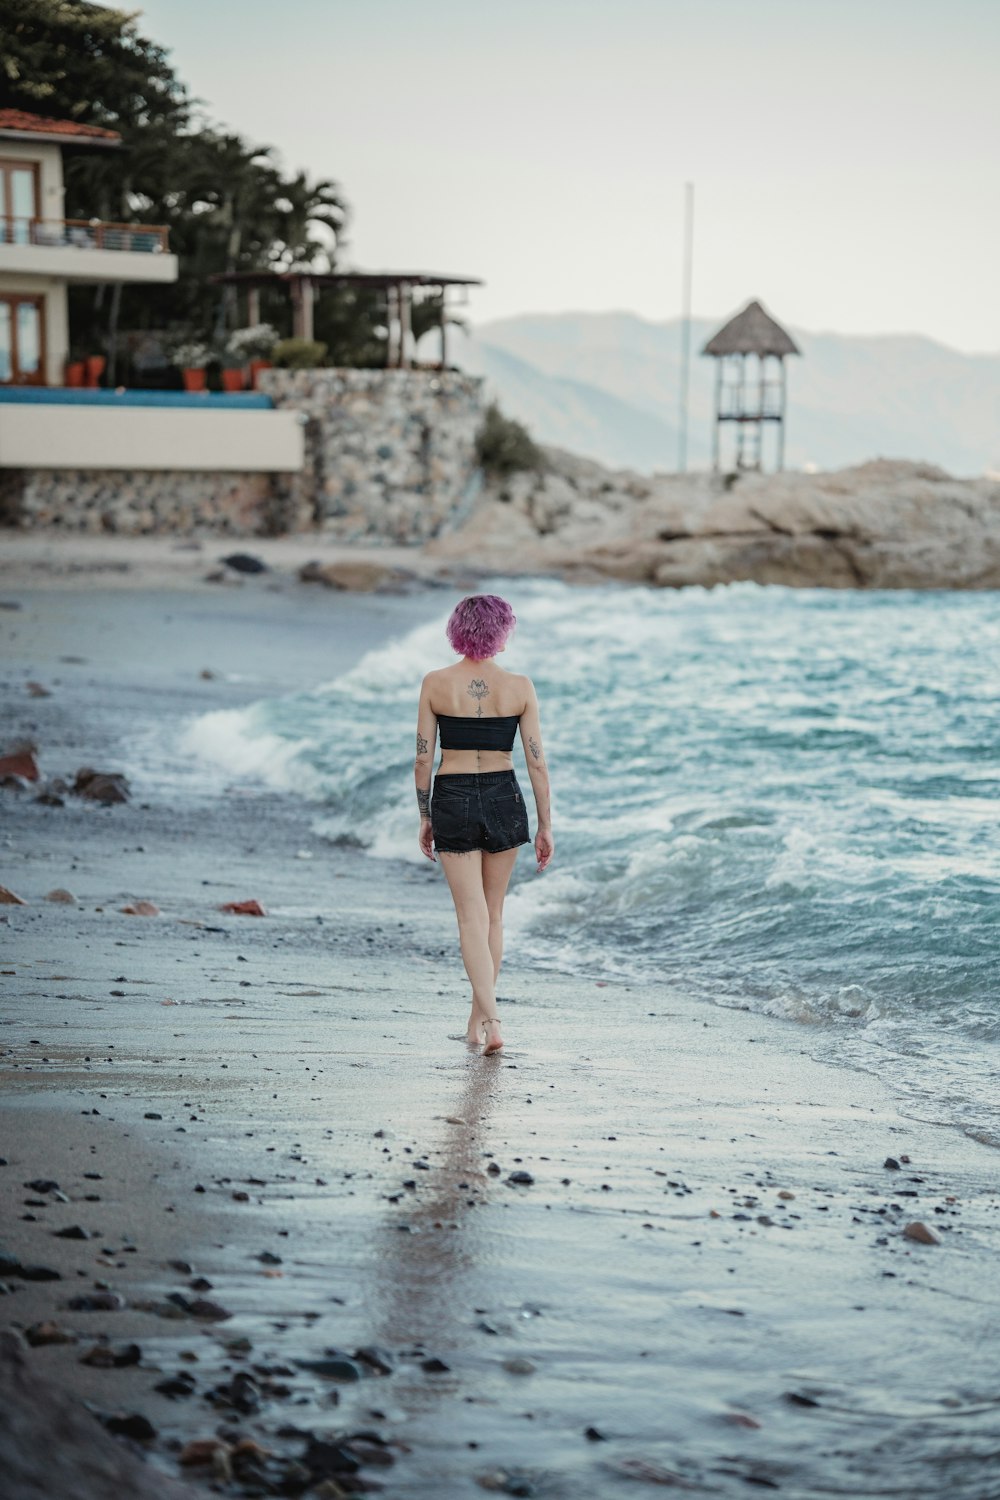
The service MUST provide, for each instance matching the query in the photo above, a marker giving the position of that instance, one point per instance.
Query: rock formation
(885, 524)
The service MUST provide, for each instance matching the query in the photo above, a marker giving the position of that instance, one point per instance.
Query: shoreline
(53, 559)
(653, 1283)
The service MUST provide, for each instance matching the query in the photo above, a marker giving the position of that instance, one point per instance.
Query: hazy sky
(845, 153)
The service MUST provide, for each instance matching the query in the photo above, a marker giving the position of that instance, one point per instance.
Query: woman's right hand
(427, 838)
(545, 847)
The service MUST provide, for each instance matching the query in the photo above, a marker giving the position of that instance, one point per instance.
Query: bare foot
(491, 1038)
(474, 1030)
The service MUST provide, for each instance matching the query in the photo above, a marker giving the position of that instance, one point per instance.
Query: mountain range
(605, 385)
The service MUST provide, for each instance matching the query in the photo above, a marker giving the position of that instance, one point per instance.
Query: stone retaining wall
(389, 455)
(143, 502)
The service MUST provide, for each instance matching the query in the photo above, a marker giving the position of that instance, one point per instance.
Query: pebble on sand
(40, 1334)
(140, 909)
(104, 1357)
(62, 896)
(20, 762)
(919, 1232)
(131, 1425)
(202, 1451)
(244, 562)
(243, 908)
(101, 786)
(8, 898)
(336, 1367)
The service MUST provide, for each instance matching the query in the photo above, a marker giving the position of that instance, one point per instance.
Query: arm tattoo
(424, 801)
(533, 746)
(421, 744)
(477, 689)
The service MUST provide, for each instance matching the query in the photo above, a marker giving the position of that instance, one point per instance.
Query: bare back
(484, 691)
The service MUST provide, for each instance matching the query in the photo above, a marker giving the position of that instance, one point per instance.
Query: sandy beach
(654, 1244)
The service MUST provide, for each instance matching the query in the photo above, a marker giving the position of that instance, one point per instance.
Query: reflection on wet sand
(432, 1261)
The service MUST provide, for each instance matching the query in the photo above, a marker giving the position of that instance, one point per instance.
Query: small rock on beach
(920, 1233)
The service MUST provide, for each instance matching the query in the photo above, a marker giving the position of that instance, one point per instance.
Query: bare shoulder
(525, 686)
(430, 678)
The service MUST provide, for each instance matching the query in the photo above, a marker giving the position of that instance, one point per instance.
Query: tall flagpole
(682, 424)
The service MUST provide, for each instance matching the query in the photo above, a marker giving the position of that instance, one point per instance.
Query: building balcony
(86, 250)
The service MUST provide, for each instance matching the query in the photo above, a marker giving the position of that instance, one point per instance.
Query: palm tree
(299, 208)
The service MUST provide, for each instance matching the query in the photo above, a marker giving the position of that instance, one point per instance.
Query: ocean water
(782, 800)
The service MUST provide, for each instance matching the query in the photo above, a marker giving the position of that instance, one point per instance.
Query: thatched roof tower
(753, 331)
(750, 398)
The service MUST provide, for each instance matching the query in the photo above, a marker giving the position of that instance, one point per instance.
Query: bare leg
(497, 869)
(464, 873)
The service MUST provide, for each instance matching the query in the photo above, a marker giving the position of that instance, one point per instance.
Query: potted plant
(232, 374)
(95, 365)
(192, 358)
(76, 368)
(255, 344)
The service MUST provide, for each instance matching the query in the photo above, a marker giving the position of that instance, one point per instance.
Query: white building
(41, 251)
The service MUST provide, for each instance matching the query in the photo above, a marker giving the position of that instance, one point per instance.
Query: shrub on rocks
(504, 446)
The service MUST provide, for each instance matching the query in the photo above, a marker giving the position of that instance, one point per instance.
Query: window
(18, 201)
(22, 341)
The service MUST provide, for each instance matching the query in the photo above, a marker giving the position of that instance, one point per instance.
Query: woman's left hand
(427, 838)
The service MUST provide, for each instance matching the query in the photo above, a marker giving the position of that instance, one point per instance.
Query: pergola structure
(397, 286)
(747, 396)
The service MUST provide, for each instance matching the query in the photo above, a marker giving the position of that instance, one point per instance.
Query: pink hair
(480, 625)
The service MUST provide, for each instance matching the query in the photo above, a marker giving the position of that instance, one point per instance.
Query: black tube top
(470, 733)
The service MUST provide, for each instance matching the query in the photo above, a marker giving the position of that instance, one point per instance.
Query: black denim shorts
(479, 810)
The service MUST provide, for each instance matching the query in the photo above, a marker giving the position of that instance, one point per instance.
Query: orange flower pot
(194, 380)
(232, 380)
(256, 365)
(96, 365)
(76, 372)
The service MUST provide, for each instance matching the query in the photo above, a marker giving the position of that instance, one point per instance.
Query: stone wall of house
(389, 455)
(141, 502)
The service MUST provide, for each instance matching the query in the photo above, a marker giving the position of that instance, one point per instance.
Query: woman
(477, 820)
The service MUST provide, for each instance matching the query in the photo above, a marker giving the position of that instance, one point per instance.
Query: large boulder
(51, 1445)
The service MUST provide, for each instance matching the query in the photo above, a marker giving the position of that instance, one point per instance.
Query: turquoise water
(777, 799)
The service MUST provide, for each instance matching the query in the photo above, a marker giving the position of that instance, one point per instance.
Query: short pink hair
(480, 625)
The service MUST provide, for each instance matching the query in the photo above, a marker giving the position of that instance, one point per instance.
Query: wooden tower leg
(718, 416)
(404, 325)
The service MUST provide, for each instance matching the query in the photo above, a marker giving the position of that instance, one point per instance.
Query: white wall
(72, 263)
(56, 318)
(54, 436)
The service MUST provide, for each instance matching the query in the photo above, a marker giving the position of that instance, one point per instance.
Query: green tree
(226, 202)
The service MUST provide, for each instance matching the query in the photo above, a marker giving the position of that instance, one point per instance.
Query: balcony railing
(84, 234)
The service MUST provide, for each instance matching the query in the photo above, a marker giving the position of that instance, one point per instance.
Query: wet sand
(705, 1284)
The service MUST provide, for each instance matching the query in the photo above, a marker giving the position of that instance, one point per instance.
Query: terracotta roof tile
(21, 119)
